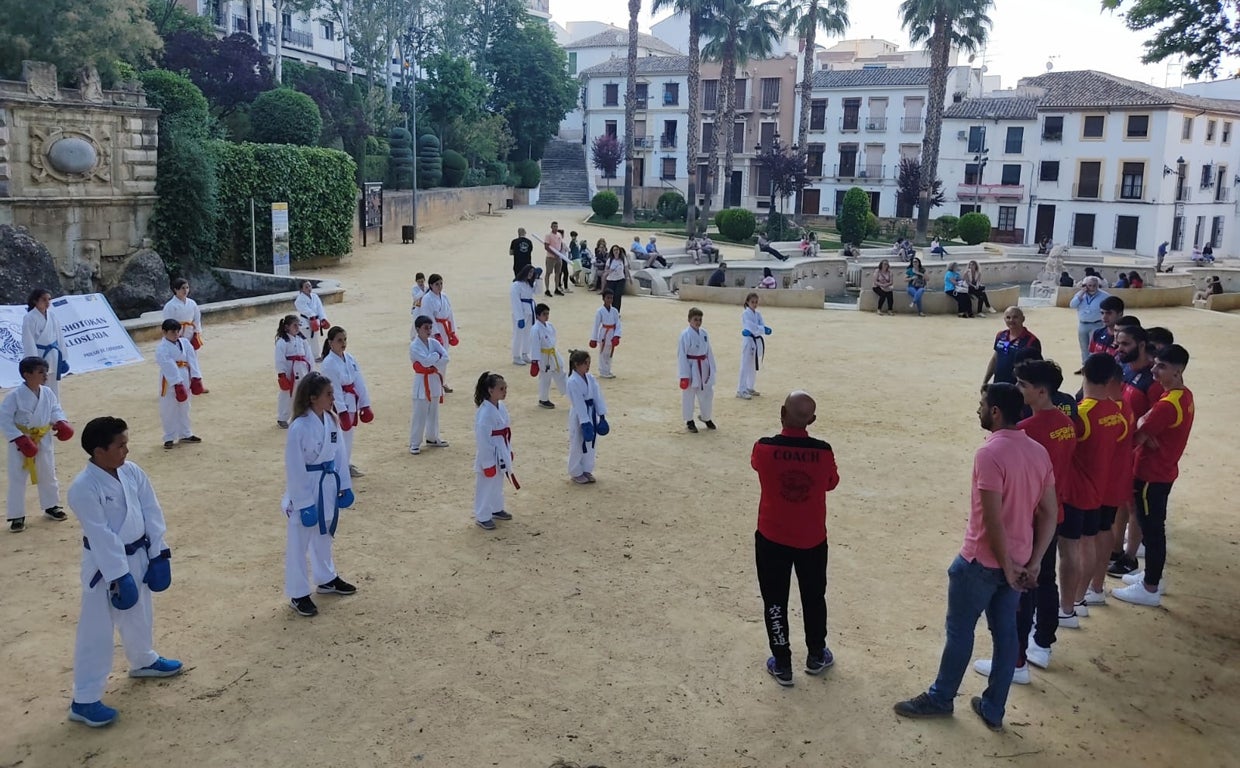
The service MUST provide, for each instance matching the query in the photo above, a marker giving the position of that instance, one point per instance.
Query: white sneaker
(1138, 577)
(744, 395)
(1141, 551)
(1019, 677)
(1082, 609)
(1037, 655)
(1137, 595)
(1094, 598)
(1069, 620)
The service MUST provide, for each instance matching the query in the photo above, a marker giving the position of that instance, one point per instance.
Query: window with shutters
(710, 95)
(770, 92)
(818, 115)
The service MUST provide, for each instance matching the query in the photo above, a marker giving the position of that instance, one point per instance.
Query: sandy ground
(618, 623)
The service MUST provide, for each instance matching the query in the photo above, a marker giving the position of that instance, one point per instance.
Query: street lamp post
(409, 42)
(980, 161)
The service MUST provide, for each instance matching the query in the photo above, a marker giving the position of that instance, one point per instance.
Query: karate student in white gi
(316, 490)
(548, 365)
(428, 357)
(753, 347)
(436, 306)
(294, 359)
(124, 560)
(185, 311)
(179, 377)
(697, 372)
(418, 290)
(493, 461)
(313, 317)
(29, 415)
(605, 336)
(521, 297)
(42, 337)
(352, 398)
(587, 417)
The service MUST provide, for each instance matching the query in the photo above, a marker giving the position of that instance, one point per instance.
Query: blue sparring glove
(344, 499)
(602, 428)
(159, 572)
(745, 332)
(309, 516)
(521, 323)
(62, 368)
(766, 329)
(587, 432)
(124, 592)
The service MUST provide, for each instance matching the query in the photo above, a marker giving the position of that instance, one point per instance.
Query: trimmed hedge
(945, 226)
(736, 224)
(316, 183)
(400, 159)
(605, 204)
(671, 206)
(430, 161)
(285, 116)
(454, 167)
(175, 95)
(529, 175)
(852, 220)
(973, 228)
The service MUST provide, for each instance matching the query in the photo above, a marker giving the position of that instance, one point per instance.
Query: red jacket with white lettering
(795, 472)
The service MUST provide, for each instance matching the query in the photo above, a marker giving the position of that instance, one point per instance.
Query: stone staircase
(564, 175)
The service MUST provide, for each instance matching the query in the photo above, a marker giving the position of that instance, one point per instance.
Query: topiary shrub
(973, 228)
(852, 219)
(175, 96)
(605, 204)
(945, 227)
(671, 206)
(528, 173)
(497, 172)
(400, 160)
(285, 116)
(475, 177)
(736, 224)
(430, 163)
(454, 167)
(872, 225)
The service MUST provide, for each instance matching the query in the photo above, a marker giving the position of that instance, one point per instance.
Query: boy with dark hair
(1103, 339)
(29, 415)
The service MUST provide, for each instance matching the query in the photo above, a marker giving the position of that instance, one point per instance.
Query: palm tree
(806, 17)
(694, 9)
(739, 30)
(943, 25)
(630, 111)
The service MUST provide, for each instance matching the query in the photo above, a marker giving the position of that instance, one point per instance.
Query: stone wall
(77, 169)
(436, 207)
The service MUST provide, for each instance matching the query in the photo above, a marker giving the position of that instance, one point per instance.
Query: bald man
(795, 471)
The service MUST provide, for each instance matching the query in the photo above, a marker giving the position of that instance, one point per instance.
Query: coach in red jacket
(795, 471)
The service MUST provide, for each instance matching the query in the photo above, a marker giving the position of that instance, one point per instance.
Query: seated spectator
(937, 249)
(809, 244)
(1212, 287)
(1066, 280)
(850, 252)
(1207, 253)
(709, 249)
(1121, 281)
(977, 289)
(765, 245)
(693, 247)
(955, 286)
(718, 277)
(1135, 281)
(637, 249)
(1197, 257)
(883, 282)
(768, 280)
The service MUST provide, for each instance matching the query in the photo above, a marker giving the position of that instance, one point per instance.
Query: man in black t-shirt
(522, 250)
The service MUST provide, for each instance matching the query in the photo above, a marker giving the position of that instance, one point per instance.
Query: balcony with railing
(667, 142)
(1052, 135)
(297, 38)
(850, 123)
(856, 171)
(991, 191)
(643, 143)
(876, 124)
(910, 124)
(1130, 193)
(240, 24)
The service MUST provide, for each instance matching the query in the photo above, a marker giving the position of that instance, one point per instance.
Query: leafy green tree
(852, 220)
(75, 33)
(449, 90)
(483, 140)
(1203, 32)
(945, 25)
(606, 154)
(530, 86)
(285, 116)
(340, 105)
(231, 72)
(170, 16)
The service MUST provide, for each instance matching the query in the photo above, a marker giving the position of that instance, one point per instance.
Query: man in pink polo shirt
(1011, 521)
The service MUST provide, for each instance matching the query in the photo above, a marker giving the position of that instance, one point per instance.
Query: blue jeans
(915, 294)
(1084, 331)
(974, 589)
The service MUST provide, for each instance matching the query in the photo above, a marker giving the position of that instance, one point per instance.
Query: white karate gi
(753, 348)
(437, 307)
(295, 359)
(311, 308)
(550, 362)
(521, 297)
(415, 309)
(115, 513)
(586, 406)
(427, 389)
(24, 412)
(697, 364)
(493, 437)
(606, 328)
(188, 315)
(42, 337)
(312, 441)
(178, 364)
(349, 390)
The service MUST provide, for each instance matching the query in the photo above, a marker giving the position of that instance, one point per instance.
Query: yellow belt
(549, 353)
(36, 435)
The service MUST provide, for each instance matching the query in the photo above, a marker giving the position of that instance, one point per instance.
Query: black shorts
(1079, 522)
(1106, 518)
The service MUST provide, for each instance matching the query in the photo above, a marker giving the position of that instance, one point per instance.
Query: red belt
(506, 433)
(447, 325)
(352, 390)
(426, 381)
(608, 332)
(701, 373)
(297, 359)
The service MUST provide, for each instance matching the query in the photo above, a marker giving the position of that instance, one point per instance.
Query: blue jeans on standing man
(974, 589)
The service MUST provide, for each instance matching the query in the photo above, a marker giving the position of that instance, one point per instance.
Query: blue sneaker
(95, 714)
(816, 665)
(161, 668)
(782, 676)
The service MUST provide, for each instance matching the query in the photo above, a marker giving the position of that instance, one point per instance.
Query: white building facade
(597, 48)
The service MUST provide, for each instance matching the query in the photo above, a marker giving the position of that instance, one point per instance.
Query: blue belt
(131, 548)
(45, 348)
(593, 423)
(325, 469)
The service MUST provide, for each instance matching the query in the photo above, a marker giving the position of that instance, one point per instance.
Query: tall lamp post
(980, 161)
(409, 42)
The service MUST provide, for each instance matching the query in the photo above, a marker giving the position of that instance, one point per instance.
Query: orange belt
(506, 433)
(701, 371)
(608, 332)
(426, 372)
(163, 383)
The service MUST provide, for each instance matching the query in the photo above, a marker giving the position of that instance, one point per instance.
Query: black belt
(131, 548)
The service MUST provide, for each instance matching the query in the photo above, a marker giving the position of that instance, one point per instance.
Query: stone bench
(823, 275)
(771, 297)
(789, 248)
(1223, 302)
(936, 302)
(1138, 298)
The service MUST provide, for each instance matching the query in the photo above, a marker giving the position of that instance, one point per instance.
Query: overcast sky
(1026, 34)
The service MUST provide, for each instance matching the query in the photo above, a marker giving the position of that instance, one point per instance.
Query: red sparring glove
(365, 415)
(286, 383)
(195, 341)
(314, 325)
(453, 340)
(195, 386)
(324, 325)
(181, 394)
(26, 446)
(615, 341)
(346, 421)
(684, 383)
(488, 472)
(593, 344)
(534, 369)
(63, 430)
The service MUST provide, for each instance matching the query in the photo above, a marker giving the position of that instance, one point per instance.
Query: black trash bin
(408, 233)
